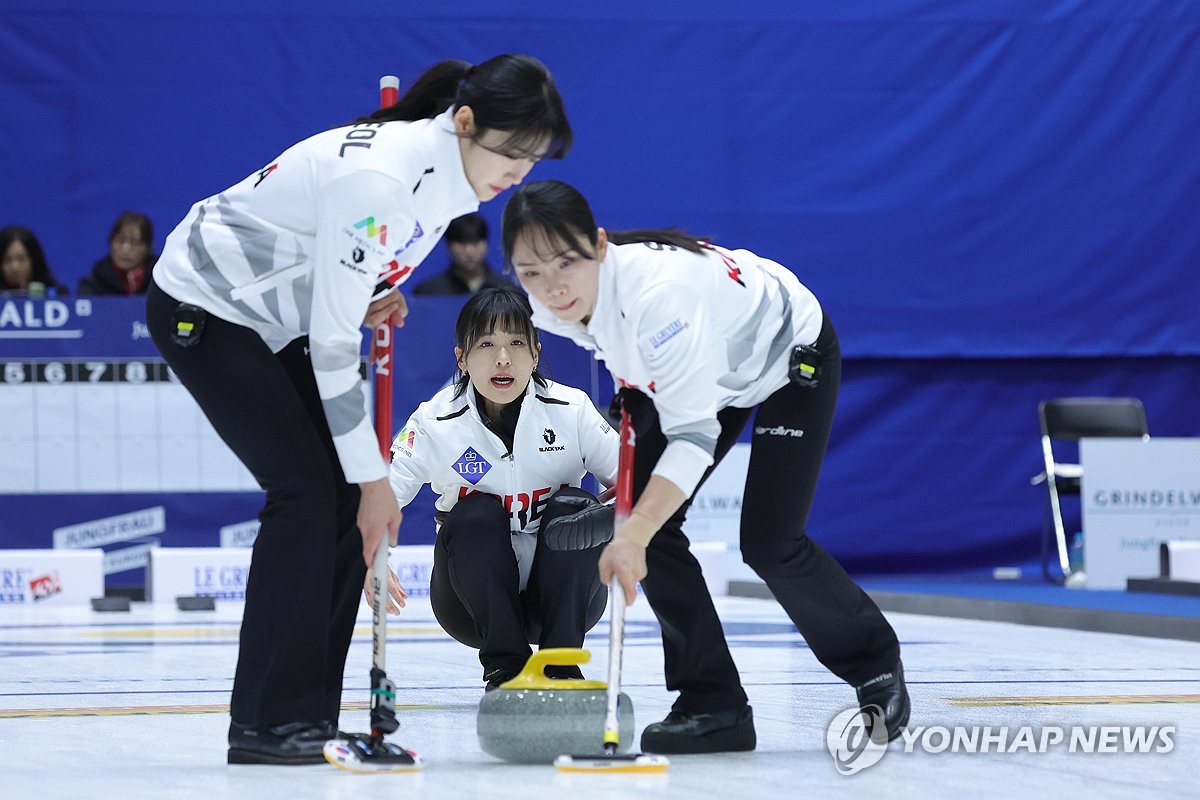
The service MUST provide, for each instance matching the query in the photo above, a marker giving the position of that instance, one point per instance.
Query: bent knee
(474, 515)
(770, 556)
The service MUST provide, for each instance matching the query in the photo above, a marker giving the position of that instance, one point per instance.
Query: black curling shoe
(888, 692)
(686, 732)
(497, 677)
(293, 743)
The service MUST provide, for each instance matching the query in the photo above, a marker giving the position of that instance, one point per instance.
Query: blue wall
(996, 201)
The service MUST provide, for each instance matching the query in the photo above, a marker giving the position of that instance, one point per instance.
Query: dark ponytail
(511, 93)
(672, 236)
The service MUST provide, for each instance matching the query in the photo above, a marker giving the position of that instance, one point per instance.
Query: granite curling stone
(533, 719)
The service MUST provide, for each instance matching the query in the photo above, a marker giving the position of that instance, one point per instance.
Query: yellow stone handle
(533, 676)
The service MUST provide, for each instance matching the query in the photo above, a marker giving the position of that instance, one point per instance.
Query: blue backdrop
(995, 201)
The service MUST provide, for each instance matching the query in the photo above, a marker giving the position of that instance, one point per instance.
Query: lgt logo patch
(472, 466)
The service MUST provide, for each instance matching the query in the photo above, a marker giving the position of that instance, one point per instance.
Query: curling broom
(610, 761)
(369, 752)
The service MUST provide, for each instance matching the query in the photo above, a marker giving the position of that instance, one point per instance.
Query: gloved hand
(586, 524)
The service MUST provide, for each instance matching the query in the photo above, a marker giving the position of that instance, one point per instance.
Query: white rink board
(1136, 495)
(50, 577)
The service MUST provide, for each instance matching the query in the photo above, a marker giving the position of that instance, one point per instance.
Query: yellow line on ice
(129, 711)
(1073, 700)
(231, 632)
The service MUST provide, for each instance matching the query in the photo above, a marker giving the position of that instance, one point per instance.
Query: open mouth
(502, 381)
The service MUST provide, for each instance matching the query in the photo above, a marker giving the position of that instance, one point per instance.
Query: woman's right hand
(378, 516)
(396, 595)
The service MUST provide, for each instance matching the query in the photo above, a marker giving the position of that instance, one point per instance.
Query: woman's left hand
(391, 306)
(624, 559)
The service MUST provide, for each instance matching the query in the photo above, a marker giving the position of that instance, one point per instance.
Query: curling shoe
(887, 692)
(496, 677)
(687, 732)
(291, 743)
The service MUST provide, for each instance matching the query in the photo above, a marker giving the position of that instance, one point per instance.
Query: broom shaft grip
(616, 628)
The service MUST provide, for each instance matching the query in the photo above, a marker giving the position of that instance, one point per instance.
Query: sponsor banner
(127, 558)
(1136, 494)
(50, 577)
(222, 572)
(218, 572)
(242, 534)
(110, 530)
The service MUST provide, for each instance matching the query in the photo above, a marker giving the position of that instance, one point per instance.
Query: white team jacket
(299, 247)
(695, 332)
(559, 437)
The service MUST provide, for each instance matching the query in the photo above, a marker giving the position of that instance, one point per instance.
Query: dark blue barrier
(928, 469)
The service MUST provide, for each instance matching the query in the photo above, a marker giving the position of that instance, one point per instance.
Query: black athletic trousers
(307, 571)
(841, 624)
(475, 586)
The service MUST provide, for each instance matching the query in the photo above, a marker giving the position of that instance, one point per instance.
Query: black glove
(583, 523)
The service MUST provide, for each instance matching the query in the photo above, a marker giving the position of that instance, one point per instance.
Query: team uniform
(495, 585)
(282, 267)
(697, 341)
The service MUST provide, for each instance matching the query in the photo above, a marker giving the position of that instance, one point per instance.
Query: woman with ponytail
(701, 338)
(257, 303)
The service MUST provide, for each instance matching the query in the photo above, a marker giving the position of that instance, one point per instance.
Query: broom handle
(381, 349)
(389, 91)
(383, 713)
(616, 628)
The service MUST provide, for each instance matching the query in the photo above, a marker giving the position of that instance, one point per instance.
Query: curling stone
(533, 719)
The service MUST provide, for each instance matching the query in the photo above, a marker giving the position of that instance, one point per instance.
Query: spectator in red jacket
(126, 268)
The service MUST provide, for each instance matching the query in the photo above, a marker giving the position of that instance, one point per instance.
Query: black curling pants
(475, 587)
(841, 624)
(306, 571)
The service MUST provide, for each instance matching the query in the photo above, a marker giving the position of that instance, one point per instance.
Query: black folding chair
(1069, 419)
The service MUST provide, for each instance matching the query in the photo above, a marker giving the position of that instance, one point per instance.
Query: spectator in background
(23, 267)
(126, 268)
(467, 241)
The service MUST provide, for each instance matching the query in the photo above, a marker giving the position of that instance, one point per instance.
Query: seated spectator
(126, 268)
(467, 241)
(24, 269)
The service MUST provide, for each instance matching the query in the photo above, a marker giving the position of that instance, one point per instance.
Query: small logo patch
(472, 466)
(405, 441)
(548, 435)
(778, 430)
(672, 330)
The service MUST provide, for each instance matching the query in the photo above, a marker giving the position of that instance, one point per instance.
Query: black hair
(39, 269)
(139, 221)
(494, 308)
(512, 93)
(557, 214)
(467, 229)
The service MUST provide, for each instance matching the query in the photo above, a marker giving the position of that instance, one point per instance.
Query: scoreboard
(107, 425)
(100, 446)
(88, 406)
